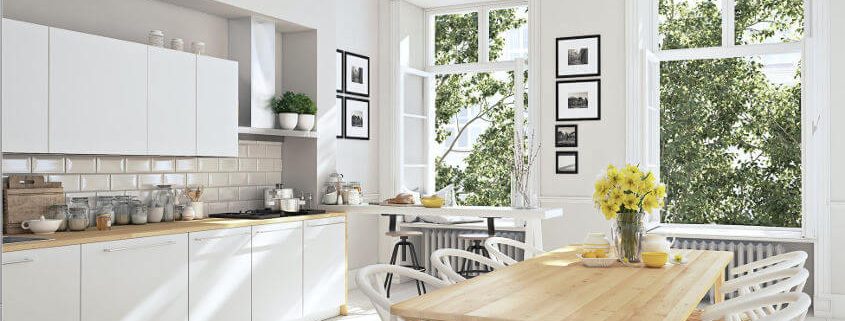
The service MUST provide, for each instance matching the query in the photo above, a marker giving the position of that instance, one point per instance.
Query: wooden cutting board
(28, 198)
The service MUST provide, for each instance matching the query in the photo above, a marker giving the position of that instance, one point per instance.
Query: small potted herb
(307, 110)
(286, 110)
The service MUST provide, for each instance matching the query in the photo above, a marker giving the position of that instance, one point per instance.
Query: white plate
(603, 262)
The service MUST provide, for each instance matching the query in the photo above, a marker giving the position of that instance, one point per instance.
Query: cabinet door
(41, 284)
(277, 272)
(217, 107)
(98, 94)
(25, 69)
(172, 102)
(137, 279)
(324, 275)
(220, 275)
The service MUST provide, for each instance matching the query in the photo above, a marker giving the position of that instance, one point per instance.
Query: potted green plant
(307, 110)
(286, 109)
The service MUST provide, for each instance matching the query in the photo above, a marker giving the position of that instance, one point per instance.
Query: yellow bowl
(432, 202)
(655, 259)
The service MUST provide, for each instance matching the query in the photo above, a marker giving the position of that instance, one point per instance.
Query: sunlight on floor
(360, 308)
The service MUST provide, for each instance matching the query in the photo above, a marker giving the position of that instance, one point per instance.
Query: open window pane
(690, 23)
(730, 140)
(769, 21)
(456, 38)
(508, 34)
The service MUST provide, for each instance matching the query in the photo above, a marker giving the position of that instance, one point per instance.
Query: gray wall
(837, 151)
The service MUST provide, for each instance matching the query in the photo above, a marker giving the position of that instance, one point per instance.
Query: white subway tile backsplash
(80, 165)
(14, 164)
(273, 178)
(149, 181)
(265, 165)
(243, 150)
(247, 193)
(163, 165)
(111, 165)
(216, 208)
(237, 179)
(124, 182)
(137, 165)
(218, 179)
(48, 164)
(255, 151)
(228, 194)
(197, 178)
(210, 194)
(248, 165)
(186, 164)
(112, 193)
(274, 151)
(94, 183)
(228, 164)
(277, 165)
(244, 205)
(69, 182)
(255, 179)
(208, 164)
(177, 180)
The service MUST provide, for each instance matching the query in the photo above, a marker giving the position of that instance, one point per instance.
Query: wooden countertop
(555, 286)
(124, 232)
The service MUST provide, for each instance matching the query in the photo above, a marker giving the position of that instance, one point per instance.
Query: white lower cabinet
(41, 284)
(277, 272)
(324, 268)
(136, 279)
(220, 269)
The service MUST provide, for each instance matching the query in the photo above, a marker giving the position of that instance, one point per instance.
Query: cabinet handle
(278, 230)
(119, 249)
(24, 260)
(200, 239)
(324, 224)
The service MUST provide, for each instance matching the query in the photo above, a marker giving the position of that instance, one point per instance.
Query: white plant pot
(288, 120)
(306, 122)
(199, 210)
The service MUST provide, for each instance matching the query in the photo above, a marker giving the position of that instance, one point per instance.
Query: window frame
(643, 58)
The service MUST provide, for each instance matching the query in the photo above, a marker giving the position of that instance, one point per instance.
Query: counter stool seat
(476, 245)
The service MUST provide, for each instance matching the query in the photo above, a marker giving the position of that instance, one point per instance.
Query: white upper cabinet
(98, 95)
(277, 272)
(172, 102)
(217, 107)
(220, 277)
(41, 284)
(324, 268)
(25, 70)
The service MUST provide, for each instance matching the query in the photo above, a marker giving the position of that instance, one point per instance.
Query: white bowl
(42, 226)
(596, 262)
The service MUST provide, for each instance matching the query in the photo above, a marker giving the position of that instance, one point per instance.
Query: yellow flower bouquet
(625, 195)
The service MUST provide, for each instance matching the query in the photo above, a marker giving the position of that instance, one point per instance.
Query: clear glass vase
(628, 231)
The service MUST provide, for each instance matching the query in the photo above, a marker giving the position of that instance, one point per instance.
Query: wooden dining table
(556, 286)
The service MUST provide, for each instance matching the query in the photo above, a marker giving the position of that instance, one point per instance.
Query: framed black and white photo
(341, 109)
(567, 163)
(356, 124)
(339, 68)
(578, 56)
(578, 100)
(566, 136)
(357, 74)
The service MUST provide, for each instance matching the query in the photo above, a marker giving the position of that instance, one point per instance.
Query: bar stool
(406, 246)
(472, 269)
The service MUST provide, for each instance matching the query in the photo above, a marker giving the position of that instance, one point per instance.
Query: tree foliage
(730, 138)
(485, 178)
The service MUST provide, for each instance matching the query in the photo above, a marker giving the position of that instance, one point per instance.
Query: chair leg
(388, 279)
(417, 266)
(487, 255)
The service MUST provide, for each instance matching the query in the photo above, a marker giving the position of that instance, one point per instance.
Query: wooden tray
(28, 198)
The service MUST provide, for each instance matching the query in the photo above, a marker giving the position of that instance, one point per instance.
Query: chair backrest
(370, 280)
(493, 247)
(797, 305)
(441, 261)
(789, 280)
(773, 263)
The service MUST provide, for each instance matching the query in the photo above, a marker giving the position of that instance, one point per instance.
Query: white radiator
(438, 238)
(744, 251)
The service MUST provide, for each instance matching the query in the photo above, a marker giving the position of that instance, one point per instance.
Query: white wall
(599, 142)
(129, 20)
(837, 150)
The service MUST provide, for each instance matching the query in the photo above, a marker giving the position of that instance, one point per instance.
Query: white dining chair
(369, 280)
(441, 260)
(772, 263)
(797, 304)
(751, 287)
(494, 244)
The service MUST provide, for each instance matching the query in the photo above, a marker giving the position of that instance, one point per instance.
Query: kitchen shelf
(277, 132)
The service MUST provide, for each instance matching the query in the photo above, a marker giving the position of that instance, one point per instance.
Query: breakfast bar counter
(124, 232)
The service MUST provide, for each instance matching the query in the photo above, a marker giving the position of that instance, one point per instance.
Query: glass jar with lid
(78, 214)
(164, 199)
(121, 205)
(139, 212)
(59, 212)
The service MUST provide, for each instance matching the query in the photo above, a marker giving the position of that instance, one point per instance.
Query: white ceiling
(443, 3)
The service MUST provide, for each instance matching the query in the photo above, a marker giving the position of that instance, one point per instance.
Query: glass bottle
(165, 198)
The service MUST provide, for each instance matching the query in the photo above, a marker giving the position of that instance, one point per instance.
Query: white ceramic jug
(656, 243)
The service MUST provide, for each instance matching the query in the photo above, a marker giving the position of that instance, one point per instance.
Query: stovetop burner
(263, 214)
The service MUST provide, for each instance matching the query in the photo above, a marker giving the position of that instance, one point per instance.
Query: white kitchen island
(531, 218)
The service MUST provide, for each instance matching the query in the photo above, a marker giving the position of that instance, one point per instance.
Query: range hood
(252, 42)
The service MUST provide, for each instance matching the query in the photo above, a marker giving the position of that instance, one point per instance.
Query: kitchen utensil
(655, 259)
(42, 225)
(139, 213)
(177, 44)
(122, 211)
(78, 219)
(156, 38)
(596, 241)
(199, 210)
(155, 214)
(194, 193)
(656, 243)
(290, 204)
(28, 197)
(188, 213)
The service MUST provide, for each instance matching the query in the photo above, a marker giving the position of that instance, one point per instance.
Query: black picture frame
(558, 72)
(342, 117)
(558, 143)
(345, 114)
(558, 116)
(346, 86)
(342, 73)
(557, 162)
